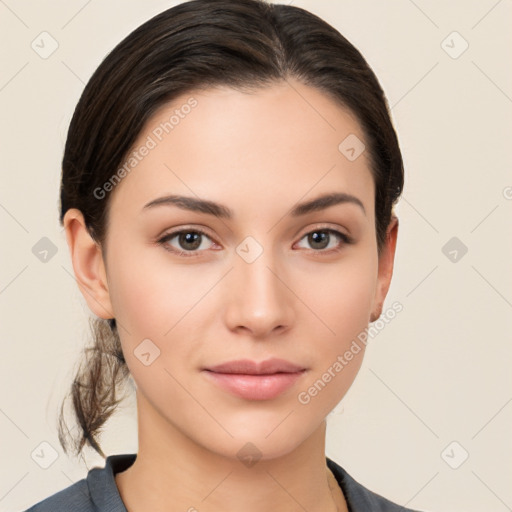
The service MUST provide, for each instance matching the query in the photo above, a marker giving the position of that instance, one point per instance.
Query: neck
(173, 473)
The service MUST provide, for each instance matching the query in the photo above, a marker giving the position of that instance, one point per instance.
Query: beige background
(438, 373)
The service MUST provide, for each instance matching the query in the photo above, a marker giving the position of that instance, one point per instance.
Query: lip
(248, 367)
(255, 381)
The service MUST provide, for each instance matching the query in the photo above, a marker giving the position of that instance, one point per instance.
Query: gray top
(98, 492)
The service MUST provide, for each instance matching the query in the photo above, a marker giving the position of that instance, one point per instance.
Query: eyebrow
(221, 211)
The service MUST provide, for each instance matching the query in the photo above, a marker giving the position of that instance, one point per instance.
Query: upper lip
(248, 367)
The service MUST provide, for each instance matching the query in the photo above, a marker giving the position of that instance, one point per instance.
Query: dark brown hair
(244, 44)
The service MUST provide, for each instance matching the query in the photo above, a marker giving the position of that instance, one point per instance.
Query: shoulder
(76, 497)
(95, 493)
(358, 497)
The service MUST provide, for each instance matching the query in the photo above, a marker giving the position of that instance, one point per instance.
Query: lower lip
(255, 387)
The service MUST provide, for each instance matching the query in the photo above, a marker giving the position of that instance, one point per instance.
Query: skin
(259, 154)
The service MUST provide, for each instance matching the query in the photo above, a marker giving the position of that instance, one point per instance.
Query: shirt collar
(105, 494)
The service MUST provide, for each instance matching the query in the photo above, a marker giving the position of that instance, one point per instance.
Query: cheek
(342, 297)
(150, 293)
(342, 300)
(151, 298)
(164, 302)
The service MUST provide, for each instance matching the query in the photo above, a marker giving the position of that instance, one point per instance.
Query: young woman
(228, 184)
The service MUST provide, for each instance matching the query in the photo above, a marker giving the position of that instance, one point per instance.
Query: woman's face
(272, 280)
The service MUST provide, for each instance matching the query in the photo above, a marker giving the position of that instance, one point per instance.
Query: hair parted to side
(243, 44)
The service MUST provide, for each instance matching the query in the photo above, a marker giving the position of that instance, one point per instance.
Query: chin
(263, 435)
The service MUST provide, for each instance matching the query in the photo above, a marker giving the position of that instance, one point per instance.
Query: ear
(386, 261)
(88, 264)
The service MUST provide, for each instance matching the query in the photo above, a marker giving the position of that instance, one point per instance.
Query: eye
(188, 240)
(320, 240)
(191, 241)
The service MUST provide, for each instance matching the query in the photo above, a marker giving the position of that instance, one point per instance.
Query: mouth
(255, 381)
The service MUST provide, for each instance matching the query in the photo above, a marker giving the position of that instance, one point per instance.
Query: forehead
(274, 145)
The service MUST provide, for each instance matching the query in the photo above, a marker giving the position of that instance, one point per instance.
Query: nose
(259, 300)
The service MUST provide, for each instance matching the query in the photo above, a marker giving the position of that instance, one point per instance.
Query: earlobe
(88, 264)
(386, 263)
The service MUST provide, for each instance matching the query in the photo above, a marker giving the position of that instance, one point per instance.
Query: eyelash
(187, 254)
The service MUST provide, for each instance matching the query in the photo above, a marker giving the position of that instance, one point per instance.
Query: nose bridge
(259, 299)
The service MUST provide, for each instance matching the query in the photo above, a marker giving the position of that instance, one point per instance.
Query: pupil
(319, 237)
(190, 238)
